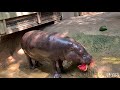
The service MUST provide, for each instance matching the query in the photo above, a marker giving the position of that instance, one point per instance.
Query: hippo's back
(43, 44)
(35, 38)
(36, 44)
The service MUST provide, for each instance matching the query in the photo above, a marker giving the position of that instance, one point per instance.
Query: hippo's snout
(85, 63)
(86, 59)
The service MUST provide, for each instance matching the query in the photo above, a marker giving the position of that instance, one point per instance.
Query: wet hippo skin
(40, 45)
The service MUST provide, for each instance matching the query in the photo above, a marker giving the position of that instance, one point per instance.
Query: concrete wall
(67, 15)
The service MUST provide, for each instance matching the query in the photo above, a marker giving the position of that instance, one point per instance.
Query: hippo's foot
(32, 67)
(63, 71)
(57, 75)
(37, 64)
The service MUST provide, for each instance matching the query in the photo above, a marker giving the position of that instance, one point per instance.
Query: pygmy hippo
(40, 45)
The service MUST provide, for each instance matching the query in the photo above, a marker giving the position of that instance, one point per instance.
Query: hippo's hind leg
(31, 66)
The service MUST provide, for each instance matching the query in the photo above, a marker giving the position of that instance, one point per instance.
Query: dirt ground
(103, 46)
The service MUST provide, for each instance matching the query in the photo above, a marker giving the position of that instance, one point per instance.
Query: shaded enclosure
(103, 46)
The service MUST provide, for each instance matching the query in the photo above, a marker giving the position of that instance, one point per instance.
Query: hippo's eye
(84, 56)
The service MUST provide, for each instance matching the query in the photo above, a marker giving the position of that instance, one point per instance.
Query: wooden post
(2, 24)
(39, 17)
(56, 17)
(76, 14)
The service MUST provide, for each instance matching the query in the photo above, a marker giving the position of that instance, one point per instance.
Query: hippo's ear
(80, 50)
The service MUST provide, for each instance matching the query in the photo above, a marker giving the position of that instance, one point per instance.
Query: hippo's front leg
(61, 66)
(57, 69)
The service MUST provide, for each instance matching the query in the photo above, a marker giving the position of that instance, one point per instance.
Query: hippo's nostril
(83, 61)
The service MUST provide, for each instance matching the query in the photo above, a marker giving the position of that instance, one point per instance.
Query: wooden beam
(39, 17)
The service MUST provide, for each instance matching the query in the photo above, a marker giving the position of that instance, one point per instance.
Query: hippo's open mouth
(84, 67)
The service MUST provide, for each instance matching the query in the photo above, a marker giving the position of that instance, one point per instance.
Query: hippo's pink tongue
(83, 67)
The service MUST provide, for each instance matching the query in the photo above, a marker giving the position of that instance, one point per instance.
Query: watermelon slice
(103, 28)
(83, 67)
(92, 64)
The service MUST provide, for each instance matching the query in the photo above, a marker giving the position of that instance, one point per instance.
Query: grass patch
(99, 44)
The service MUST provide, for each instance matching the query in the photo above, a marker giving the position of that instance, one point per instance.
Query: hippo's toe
(56, 75)
(32, 67)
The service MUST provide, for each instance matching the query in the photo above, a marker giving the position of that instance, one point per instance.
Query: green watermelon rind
(103, 28)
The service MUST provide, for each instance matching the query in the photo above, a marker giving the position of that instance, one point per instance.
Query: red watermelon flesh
(83, 67)
(92, 64)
